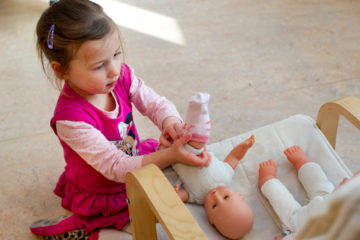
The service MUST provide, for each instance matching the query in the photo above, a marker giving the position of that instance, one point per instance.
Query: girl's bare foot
(267, 171)
(296, 156)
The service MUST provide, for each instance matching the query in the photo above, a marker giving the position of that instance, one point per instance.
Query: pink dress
(96, 201)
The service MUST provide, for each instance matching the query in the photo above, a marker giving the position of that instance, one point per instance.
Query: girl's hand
(180, 155)
(172, 130)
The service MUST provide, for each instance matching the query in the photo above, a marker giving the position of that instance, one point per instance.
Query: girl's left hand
(176, 153)
(180, 155)
(172, 130)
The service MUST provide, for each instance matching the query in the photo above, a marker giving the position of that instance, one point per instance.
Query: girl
(93, 119)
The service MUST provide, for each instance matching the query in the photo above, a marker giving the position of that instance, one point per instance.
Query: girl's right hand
(172, 131)
(180, 155)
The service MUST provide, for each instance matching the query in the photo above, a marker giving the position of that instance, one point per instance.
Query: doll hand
(206, 157)
(182, 193)
(346, 179)
(172, 130)
(183, 156)
(277, 238)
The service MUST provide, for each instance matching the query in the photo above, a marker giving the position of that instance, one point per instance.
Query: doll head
(228, 212)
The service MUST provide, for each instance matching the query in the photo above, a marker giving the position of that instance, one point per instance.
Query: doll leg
(239, 151)
(279, 197)
(310, 174)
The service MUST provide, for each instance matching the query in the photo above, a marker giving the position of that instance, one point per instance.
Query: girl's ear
(58, 70)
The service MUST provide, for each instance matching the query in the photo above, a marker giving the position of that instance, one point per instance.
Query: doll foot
(267, 171)
(296, 156)
(250, 141)
(240, 150)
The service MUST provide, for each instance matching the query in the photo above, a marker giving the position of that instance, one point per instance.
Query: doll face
(228, 212)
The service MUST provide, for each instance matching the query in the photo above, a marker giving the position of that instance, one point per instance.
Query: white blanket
(271, 141)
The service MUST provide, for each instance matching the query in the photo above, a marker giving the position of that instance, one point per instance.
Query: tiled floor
(261, 61)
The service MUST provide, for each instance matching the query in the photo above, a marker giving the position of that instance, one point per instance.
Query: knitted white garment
(286, 207)
(198, 181)
(314, 180)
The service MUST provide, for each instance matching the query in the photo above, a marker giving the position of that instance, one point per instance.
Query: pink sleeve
(96, 150)
(149, 103)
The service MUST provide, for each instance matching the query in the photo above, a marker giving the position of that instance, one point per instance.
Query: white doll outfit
(290, 212)
(198, 181)
(193, 150)
(197, 120)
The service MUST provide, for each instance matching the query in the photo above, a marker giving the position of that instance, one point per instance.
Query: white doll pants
(290, 212)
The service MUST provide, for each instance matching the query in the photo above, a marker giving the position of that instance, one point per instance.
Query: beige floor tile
(30, 169)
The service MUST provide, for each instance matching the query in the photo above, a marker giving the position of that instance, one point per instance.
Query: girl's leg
(279, 197)
(310, 174)
(63, 227)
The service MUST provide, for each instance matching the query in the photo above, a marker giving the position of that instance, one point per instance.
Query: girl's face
(95, 67)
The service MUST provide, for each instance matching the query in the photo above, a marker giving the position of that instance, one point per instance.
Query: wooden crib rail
(329, 113)
(153, 199)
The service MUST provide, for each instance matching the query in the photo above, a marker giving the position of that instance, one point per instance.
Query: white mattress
(270, 142)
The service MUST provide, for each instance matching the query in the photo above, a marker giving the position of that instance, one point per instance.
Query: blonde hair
(64, 26)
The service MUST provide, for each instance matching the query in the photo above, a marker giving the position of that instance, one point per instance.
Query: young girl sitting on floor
(94, 122)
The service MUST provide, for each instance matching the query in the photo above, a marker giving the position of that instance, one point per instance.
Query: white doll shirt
(198, 181)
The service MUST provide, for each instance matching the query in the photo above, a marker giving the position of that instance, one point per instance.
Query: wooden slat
(162, 204)
(328, 116)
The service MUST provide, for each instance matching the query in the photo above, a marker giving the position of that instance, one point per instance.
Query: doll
(314, 181)
(226, 209)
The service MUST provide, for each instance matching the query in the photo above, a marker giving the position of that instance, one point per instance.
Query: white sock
(197, 117)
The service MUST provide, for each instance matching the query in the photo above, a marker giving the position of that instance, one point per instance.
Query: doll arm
(150, 104)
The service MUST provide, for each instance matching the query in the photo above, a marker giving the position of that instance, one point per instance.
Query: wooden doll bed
(152, 198)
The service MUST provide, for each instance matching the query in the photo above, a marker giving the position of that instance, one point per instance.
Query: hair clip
(50, 39)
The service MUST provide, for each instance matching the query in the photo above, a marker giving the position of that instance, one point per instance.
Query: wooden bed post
(142, 218)
(328, 116)
(152, 199)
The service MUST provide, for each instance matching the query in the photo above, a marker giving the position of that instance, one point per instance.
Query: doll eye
(214, 206)
(226, 197)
